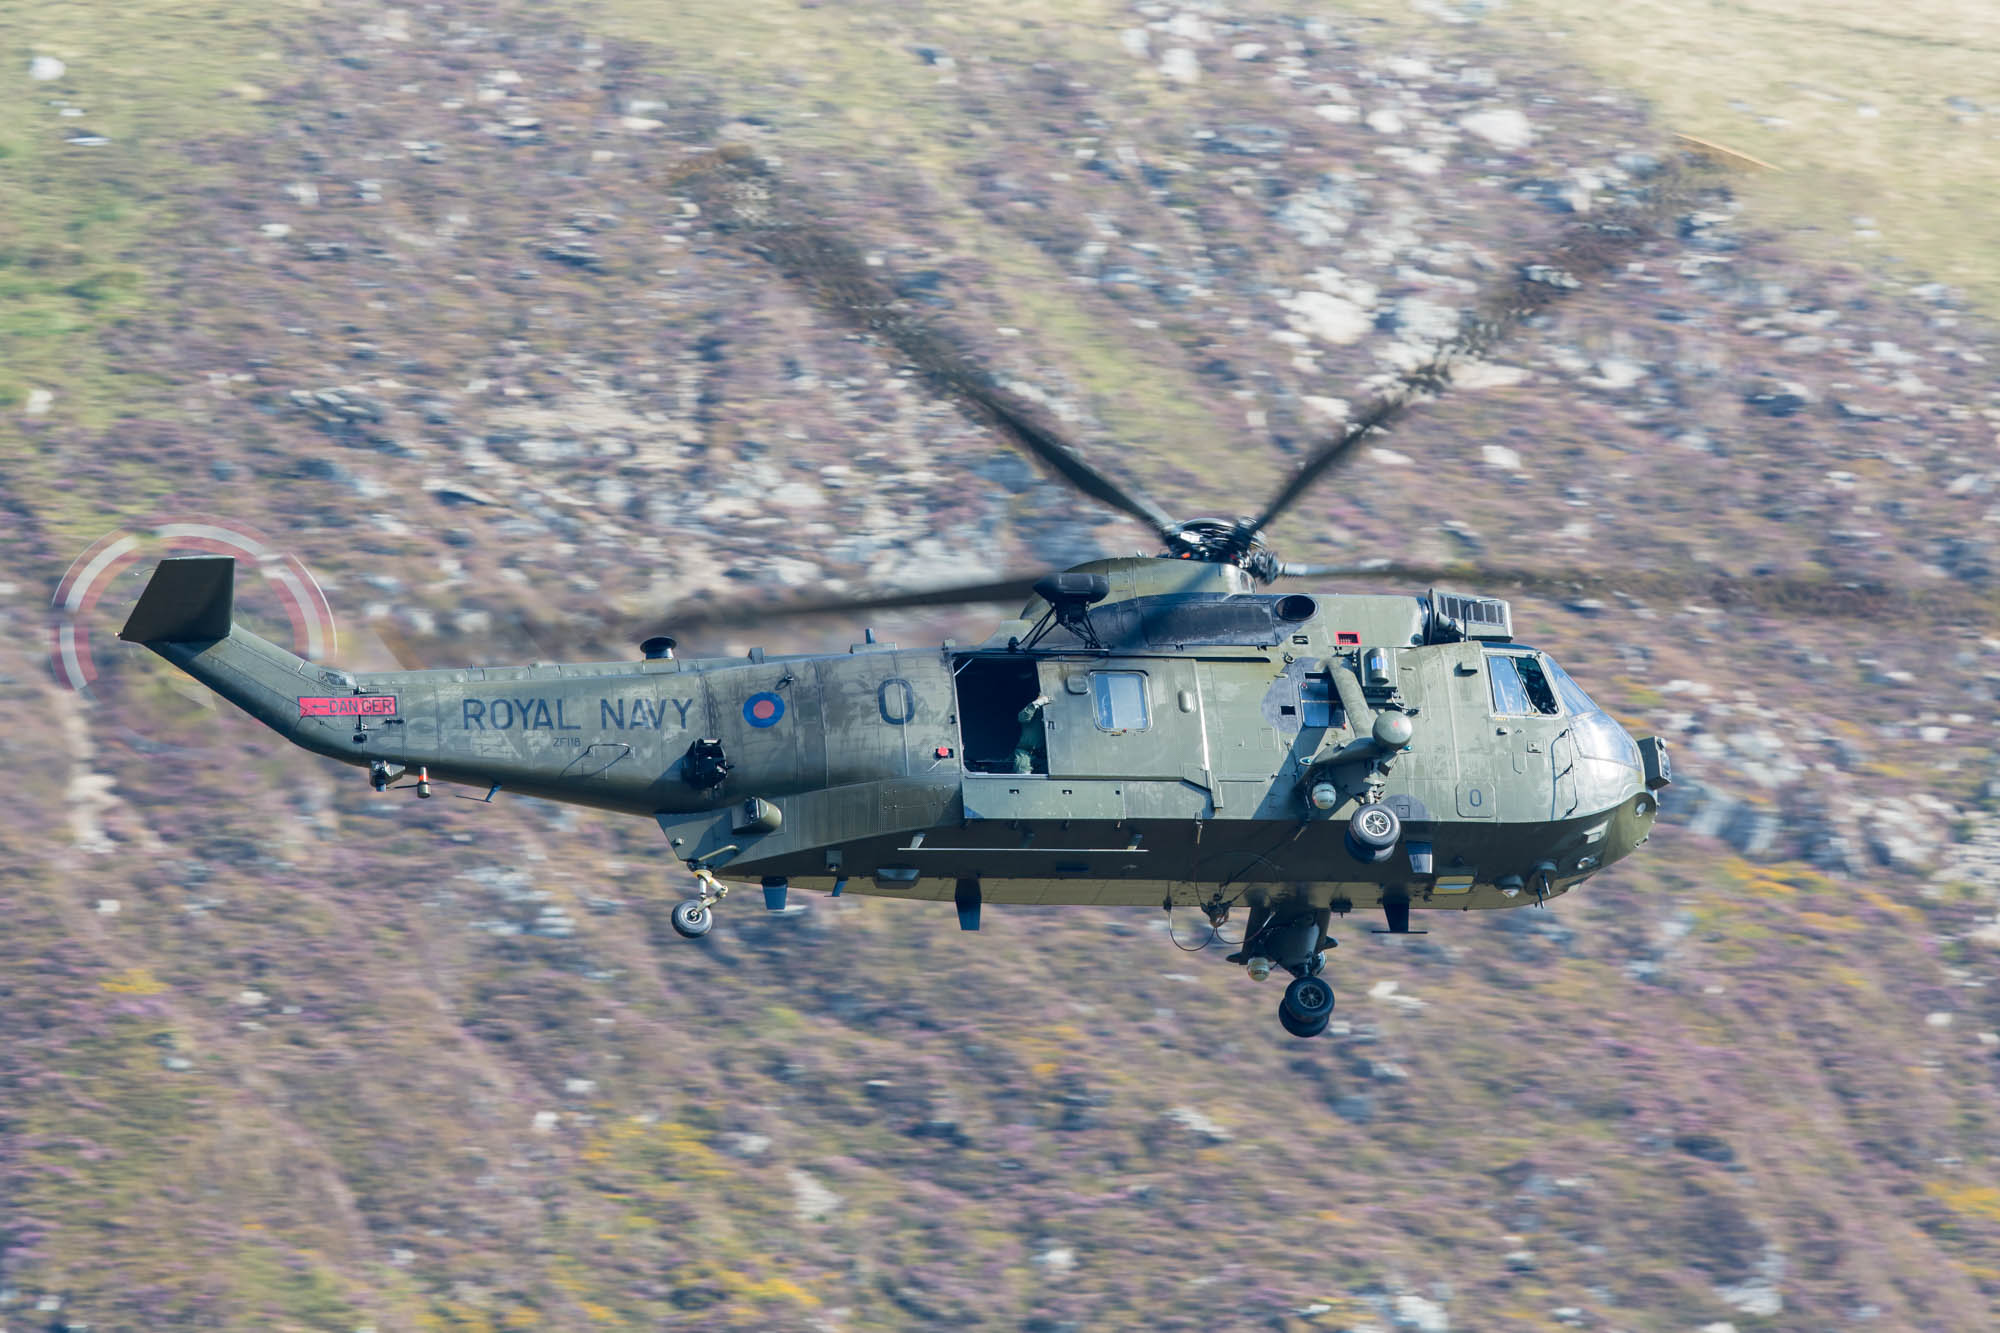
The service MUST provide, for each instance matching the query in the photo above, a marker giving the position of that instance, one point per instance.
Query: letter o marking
(898, 692)
(494, 713)
(1475, 797)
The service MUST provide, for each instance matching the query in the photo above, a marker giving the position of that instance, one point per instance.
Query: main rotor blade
(590, 635)
(720, 615)
(746, 197)
(1826, 597)
(1945, 602)
(1588, 249)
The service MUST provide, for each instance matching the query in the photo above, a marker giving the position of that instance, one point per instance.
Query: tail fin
(190, 598)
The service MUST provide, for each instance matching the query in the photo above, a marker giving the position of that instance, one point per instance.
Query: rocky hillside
(419, 294)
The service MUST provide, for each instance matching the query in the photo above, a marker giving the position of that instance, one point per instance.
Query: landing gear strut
(694, 918)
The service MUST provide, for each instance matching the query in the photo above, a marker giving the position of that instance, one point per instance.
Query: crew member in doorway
(1032, 750)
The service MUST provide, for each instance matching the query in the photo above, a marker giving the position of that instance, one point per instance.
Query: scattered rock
(1354, 1108)
(455, 493)
(1425, 320)
(1503, 127)
(1487, 375)
(1198, 1124)
(1758, 1298)
(1328, 317)
(1781, 400)
(1616, 373)
(1181, 65)
(1422, 1314)
(1708, 1147)
(46, 69)
(1776, 404)
(811, 1200)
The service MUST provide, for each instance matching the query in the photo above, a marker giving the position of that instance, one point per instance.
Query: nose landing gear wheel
(692, 919)
(1307, 1007)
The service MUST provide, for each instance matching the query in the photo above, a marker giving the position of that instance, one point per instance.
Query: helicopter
(1167, 730)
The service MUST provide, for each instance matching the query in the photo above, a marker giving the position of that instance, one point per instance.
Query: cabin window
(1520, 687)
(1120, 698)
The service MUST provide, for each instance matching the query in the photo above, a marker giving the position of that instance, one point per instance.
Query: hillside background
(414, 292)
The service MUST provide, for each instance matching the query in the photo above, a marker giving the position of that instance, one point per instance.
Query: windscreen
(1597, 735)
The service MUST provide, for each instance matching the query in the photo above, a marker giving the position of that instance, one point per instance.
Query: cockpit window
(1520, 687)
(1509, 699)
(1536, 682)
(1571, 693)
(1597, 736)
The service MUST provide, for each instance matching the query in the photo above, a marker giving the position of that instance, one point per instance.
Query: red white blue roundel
(763, 710)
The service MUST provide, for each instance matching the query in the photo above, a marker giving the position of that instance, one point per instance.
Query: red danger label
(349, 705)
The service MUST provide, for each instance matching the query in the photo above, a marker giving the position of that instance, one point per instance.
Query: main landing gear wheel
(692, 919)
(1307, 1007)
(1373, 832)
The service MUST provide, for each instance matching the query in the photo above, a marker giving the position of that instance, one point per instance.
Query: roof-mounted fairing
(1455, 616)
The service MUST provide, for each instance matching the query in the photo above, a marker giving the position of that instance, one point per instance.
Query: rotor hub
(1225, 542)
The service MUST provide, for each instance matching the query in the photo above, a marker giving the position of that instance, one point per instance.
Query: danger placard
(349, 705)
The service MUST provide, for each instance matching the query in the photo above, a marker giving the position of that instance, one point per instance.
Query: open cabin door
(993, 692)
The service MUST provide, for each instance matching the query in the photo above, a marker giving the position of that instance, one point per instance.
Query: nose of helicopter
(1620, 777)
(1631, 825)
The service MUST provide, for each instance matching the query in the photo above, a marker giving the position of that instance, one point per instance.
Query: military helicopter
(1149, 731)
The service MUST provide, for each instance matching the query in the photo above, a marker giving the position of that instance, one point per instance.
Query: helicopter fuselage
(1209, 746)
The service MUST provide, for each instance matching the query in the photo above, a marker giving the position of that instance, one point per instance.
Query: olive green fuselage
(1165, 771)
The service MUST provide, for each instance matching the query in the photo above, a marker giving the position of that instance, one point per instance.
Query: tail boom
(186, 615)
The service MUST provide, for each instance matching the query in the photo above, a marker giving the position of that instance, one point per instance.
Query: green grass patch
(1887, 114)
(852, 84)
(92, 167)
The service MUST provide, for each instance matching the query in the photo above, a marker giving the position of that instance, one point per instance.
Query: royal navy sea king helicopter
(1167, 730)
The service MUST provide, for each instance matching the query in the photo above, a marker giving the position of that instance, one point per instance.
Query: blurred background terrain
(413, 291)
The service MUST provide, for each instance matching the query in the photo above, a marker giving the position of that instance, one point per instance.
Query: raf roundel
(762, 710)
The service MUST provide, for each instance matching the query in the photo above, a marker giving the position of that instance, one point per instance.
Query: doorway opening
(993, 693)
